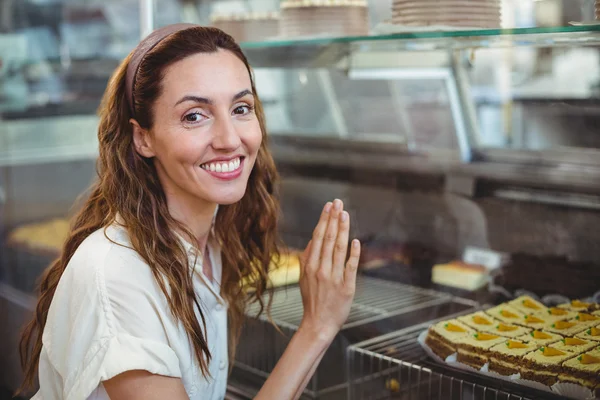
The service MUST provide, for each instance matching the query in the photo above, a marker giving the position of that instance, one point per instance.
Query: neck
(196, 215)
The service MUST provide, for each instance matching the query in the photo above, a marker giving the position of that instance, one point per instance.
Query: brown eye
(242, 110)
(193, 117)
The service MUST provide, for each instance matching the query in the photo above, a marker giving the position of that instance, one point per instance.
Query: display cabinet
(440, 139)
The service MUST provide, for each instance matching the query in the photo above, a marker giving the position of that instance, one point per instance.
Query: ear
(142, 140)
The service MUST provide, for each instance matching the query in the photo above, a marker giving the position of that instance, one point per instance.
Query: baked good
(575, 345)
(592, 333)
(535, 321)
(324, 17)
(506, 313)
(578, 305)
(544, 365)
(583, 370)
(527, 305)
(45, 238)
(460, 275)
(588, 319)
(473, 350)
(554, 314)
(506, 357)
(478, 321)
(540, 338)
(567, 328)
(249, 26)
(442, 337)
(507, 330)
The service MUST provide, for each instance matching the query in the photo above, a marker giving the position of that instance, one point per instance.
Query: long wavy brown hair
(128, 186)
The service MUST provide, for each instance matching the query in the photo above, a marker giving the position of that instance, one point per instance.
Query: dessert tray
(522, 341)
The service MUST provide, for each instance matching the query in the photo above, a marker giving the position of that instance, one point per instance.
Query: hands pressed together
(327, 280)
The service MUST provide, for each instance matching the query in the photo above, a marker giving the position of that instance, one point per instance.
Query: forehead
(207, 74)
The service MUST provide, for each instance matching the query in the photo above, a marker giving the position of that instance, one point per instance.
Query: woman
(146, 301)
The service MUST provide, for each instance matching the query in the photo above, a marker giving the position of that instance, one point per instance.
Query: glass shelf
(324, 52)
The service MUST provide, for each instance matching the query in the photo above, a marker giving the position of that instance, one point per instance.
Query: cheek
(253, 140)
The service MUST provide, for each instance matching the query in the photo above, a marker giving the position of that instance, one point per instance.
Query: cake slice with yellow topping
(478, 321)
(582, 370)
(567, 328)
(473, 350)
(577, 305)
(506, 357)
(541, 338)
(507, 330)
(544, 365)
(588, 319)
(534, 321)
(592, 333)
(442, 337)
(505, 313)
(554, 314)
(527, 305)
(575, 345)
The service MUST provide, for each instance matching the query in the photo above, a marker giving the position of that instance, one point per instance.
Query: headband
(140, 52)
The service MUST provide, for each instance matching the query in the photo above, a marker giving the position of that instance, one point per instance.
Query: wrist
(316, 334)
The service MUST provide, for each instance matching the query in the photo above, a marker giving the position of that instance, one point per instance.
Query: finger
(312, 261)
(331, 235)
(352, 268)
(304, 258)
(341, 247)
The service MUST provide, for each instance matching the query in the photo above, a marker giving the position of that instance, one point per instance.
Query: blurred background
(454, 130)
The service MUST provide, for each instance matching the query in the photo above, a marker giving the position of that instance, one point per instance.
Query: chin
(228, 197)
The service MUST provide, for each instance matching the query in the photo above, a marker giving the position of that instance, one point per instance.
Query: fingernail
(355, 243)
(337, 203)
(344, 216)
(328, 207)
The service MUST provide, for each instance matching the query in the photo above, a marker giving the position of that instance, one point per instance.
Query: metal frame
(262, 344)
(395, 365)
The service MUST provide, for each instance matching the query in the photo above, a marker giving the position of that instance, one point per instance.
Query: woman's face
(205, 136)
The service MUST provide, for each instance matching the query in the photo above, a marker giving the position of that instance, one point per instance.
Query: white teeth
(224, 166)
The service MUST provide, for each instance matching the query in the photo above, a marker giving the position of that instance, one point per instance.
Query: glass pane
(55, 60)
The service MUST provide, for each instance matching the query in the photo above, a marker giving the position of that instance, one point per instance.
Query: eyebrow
(204, 100)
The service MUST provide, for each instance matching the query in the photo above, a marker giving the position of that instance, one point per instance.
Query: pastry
(540, 338)
(506, 357)
(460, 275)
(575, 345)
(588, 319)
(567, 328)
(554, 314)
(544, 365)
(506, 313)
(583, 370)
(473, 350)
(527, 305)
(592, 333)
(324, 17)
(577, 305)
(534, 321)
(46, 238)
(478, 321)
(442, 337)
(248, 27)
(507, 330)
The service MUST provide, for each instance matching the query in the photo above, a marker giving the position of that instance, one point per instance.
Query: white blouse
(109, 316)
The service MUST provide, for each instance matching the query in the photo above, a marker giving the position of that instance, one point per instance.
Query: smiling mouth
(223, 166)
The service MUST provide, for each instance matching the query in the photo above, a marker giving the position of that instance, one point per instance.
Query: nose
(226, 136)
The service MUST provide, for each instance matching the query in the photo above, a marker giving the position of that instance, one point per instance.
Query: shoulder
(105, 256)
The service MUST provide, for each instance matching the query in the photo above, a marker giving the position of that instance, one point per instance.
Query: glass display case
(436, 139)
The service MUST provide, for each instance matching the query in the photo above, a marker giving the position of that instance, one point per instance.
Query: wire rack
(375, 299)
(395, 366)
(377, 303)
